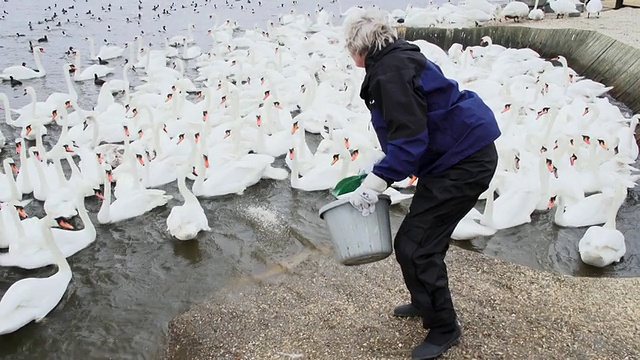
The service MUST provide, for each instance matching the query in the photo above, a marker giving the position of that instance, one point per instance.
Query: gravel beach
(319, 309)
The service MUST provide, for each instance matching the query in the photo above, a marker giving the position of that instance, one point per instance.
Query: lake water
(135, 278)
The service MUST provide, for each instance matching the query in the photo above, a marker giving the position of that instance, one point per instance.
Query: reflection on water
(135, 278)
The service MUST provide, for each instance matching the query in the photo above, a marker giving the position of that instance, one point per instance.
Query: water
(135, 278)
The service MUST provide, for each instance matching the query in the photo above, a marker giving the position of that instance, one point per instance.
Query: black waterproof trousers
(439, 203)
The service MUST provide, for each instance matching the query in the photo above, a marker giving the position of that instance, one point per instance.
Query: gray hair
(370, 29)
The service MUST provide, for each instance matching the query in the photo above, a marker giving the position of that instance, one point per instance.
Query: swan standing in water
(31, 299)
(20, 72)
(187, 220)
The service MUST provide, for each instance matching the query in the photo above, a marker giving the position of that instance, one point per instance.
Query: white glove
(365, 197)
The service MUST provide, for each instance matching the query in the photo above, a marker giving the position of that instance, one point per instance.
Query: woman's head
(370, 30)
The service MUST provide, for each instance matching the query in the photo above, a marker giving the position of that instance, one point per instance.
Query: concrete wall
(593, 55)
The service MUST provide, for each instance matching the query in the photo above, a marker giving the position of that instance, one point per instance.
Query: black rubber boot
(438, 341)
(406, 310)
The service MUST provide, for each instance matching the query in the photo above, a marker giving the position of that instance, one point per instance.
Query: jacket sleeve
(403, 108)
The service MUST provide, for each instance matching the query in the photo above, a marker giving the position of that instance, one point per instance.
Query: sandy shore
(322, 310)
(621, 24)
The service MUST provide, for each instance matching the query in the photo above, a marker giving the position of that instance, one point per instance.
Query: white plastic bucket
(359, 239)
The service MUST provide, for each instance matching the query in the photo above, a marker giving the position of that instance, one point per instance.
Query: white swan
(321, 177)
(535, 13)
(603, 245)
(23, 180)
(177, 40)
(8, 189)
(469, 227)
(36, 112)
(20, 72)
(117, 85)
(627, 145)
(588, 211)
(593, 8)
(187, 220)
(71, 241)
(31, 299)
(190, 52)
(89, 72)
(61, 202)
(512, 208)
(136, 203)
(106, 51)
(515, 10)
(562, 7)
(230, 178)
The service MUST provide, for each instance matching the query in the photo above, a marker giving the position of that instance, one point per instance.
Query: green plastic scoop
(348, 184)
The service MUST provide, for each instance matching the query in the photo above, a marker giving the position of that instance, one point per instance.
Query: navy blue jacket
(424, 123)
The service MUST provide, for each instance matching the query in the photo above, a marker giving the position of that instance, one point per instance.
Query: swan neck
(187, 195)
(17, 223)
(7, 110)
(58, 167)
(44, 185)
(72, 90)
(39, 143)
(36, 58)
(106, 203)
(488, 209)
(84, 216)
(295, 170)
(12, 182)
(92, 48)
(58, 257)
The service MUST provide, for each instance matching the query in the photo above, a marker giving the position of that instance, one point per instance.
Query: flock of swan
(257, 94)
(469, 13)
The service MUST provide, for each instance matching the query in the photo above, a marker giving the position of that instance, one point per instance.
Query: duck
(186, 221)
(14, 82)
(32, 299)
(97, 80)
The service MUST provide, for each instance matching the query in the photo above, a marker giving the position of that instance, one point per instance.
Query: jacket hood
(374, 55)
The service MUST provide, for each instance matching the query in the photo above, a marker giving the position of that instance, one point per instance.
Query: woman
(426, 127)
